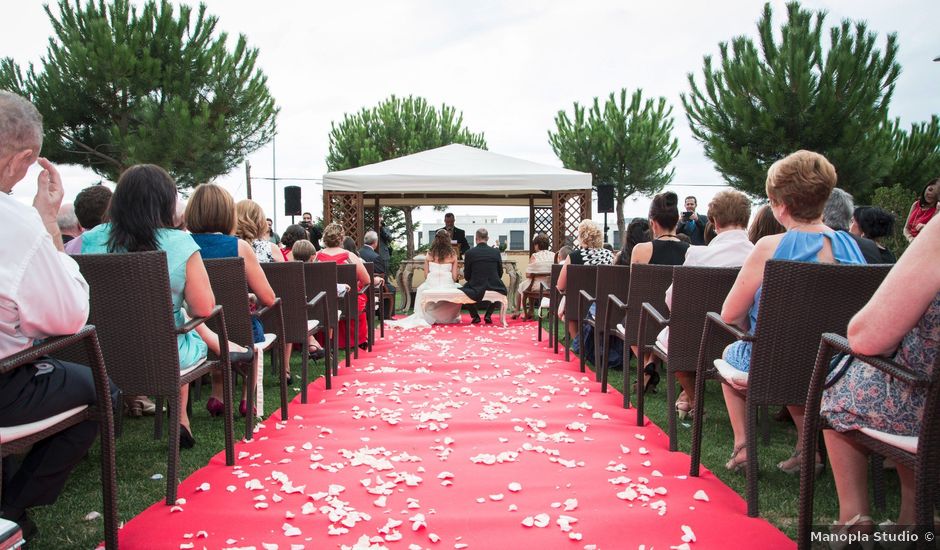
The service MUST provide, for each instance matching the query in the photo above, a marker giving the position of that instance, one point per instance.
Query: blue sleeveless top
(799, 246)
(216, 245)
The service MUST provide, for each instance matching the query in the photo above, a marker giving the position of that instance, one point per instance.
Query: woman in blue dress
(798, 187)
(141, 213)
(210, 217)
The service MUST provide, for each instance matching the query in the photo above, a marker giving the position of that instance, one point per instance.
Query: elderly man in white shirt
(729, 212)
(42, 294)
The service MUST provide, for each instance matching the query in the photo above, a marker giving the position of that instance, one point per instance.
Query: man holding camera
(691, 223)
(313, 231)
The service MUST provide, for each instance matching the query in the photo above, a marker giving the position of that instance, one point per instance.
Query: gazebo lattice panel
(543, 224)
(346, 209)
(569, 207)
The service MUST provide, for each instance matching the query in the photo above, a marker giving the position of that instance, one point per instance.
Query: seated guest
(272, 235)
(539, 271)
(562, 254)
(350, 245)
(638, 231)
(589, 251)
(291, 235)
(333, 251)
(302, 251)
(798, 187)
(923, 209)
(141, 213)
(764, 224)
(728, 213)
(210, 217)
(42, 294)
(91, 206)
(665, 249)
(370, 252)
(874, 223)
(838, 216)
(68, 223)
(252, 226)
(902, 320)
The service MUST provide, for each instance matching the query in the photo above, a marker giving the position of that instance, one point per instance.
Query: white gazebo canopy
(457, 174)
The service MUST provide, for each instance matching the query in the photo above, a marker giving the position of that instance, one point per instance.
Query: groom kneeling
(483, 270)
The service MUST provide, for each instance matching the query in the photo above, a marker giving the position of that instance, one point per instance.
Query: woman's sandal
(735, 464)
(855, 526)
(793, 464)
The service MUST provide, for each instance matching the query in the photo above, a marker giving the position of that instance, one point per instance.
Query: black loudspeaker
(292, 201)
(605, 198)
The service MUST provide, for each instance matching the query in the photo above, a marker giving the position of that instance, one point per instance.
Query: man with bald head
(42, 294)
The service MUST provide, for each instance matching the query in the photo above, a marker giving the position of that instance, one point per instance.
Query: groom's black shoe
(488, 320)
(489, 313)
(475, 320)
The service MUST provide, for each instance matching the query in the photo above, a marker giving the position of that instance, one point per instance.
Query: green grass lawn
(139, 457)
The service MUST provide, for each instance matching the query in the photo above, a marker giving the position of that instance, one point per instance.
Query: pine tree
(768, 100)
(394, 128)
(119, 86)
(628, 144)
(916, 155)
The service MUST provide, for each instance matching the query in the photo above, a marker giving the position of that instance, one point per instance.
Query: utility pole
(274, 180)
(248, 178)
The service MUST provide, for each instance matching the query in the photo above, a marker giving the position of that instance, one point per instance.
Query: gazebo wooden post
(531, 224)
(346, 209)
(375, 216)
(568, 209)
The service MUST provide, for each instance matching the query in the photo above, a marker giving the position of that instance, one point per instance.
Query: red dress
(363, 335)
(919, 215)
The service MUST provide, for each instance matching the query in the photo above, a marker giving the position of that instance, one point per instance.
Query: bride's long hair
(441, 248)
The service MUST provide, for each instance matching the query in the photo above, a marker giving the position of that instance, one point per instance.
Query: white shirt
(42, 292)
(727, 249)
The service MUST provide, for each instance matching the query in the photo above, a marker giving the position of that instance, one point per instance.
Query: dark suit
(483, 270)
(868, 248)
(461, 237)
(380, 267)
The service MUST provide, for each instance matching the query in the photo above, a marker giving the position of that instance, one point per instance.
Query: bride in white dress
(440, 268)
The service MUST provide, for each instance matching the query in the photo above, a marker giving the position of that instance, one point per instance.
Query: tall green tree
(120, 86)
(394, 128)
(767, 100)
(628, 144)
(916, 155)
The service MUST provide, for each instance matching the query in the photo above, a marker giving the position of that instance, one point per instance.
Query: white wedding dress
(429, 312)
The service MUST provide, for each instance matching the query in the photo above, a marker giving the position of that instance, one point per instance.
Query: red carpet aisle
(456, 437)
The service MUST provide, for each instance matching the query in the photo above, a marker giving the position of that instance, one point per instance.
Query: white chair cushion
(662, 340)
(493, 296)
(904, 442)
(268, 340)
(732, 375)
(190, 368)
(12, 433)
(311, 324)
(621, 328)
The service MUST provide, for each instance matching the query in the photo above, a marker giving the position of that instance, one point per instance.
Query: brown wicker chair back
(321, 277)
(612, 280)
(371, 304)
(695, 292)
(132, 310)
(287, 280)
(87, 339)
(554, 298)
(346, 275)
(579, 277)
(230, 286)
(648, 283)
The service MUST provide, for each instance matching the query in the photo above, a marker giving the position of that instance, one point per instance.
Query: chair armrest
(884, 364)
(267, 309)
(649, 311)
(46, 347)
(341, 292)
(316, 299)
(585, 295)
(734, 331)
(196, 321)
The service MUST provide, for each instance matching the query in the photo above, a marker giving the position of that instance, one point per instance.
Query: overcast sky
(509, 66)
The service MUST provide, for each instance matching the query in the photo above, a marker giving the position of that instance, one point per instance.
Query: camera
(686, 215)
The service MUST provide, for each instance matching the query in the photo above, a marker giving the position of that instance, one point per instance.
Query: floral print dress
(868, 398)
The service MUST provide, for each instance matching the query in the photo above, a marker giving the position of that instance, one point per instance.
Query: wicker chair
(648, 283)
(371, 294)
(554, 297)
(287, 280)
(612, 280)
(321, 277)
(580, 277)
(925, 462)
(695, 292)
(799, 301)
(132, 309)
(230, 286)
(346, 274)
(19, 439)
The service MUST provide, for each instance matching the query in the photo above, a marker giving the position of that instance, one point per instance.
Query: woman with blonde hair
(798, 187)
(589, 251)
(252, 226)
